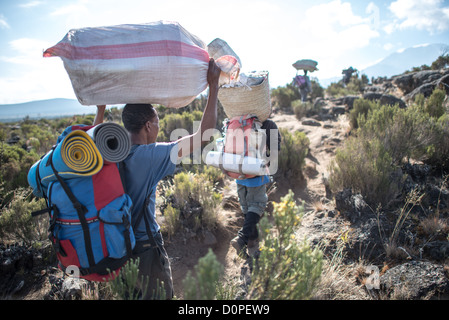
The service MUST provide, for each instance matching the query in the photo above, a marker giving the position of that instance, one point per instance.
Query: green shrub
(355, 86)
(406, 134)
(188, 189)
(434, 105)
(16, 222)
(439, 152)
(204, 285)
(172, 222)
(317, 90)
(172, 121)
(282, 97)
(360, 109)
(15, 163)
(286, 269)
(303, 109)
(365, 166)
(294, 149)
(127, 285)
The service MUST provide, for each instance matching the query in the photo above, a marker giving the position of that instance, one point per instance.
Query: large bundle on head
(160, 63)
(306, 64)
(249, 95)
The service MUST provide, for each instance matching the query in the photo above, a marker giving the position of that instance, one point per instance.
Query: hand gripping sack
(158, 62)
(90, 223)
(245, 138)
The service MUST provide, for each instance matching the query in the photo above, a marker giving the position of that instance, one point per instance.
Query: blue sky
(266, 34)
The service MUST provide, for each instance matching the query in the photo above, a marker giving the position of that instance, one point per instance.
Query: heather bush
(287, 268)
(304, 109)
(405, 133)
(172, 121)
(384, 137)
(207, 273)
(188, 189)
(294, 149)
(16, 222)
(364, 165)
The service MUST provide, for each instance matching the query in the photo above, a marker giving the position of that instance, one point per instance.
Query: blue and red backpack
(90, 220)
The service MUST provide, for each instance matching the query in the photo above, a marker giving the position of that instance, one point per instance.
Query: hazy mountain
(398, 62)
(48, 109)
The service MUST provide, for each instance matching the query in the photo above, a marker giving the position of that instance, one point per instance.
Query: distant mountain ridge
(51, 108)
(398, 62)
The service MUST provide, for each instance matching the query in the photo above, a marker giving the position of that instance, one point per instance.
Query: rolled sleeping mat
(231, 162)
(74, 157)
(112, 140)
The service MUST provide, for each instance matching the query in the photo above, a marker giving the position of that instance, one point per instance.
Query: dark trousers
(155, 266)
(249, 230)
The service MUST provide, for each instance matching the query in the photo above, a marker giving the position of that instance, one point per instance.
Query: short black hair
(135, 115)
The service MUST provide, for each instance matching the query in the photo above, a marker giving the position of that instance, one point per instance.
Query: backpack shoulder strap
(142, 213)
(80, 209)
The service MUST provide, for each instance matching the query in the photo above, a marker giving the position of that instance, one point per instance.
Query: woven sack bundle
(238, 100)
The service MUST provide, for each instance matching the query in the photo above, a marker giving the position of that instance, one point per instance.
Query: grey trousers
(253, 201)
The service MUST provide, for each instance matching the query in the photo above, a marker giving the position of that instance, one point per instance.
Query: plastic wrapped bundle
(159, 62)
(306, 64)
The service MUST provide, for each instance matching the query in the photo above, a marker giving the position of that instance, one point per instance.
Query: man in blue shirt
(253, 198)
(148, 163)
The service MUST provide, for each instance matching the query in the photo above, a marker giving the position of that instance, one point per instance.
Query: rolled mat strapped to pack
(76, 156)
(234, 162)
(112, 140)
(238, 99)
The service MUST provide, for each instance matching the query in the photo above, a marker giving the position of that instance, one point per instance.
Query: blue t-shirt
(254, 182)
(146, 165)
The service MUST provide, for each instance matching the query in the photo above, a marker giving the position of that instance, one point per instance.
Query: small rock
(311, 122)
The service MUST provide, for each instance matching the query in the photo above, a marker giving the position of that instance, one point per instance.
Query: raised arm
(186, 144)
(99, 116)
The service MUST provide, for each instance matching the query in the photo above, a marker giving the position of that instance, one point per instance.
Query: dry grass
(339, 281)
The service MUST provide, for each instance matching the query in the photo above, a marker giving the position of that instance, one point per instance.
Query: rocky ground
(368, 255)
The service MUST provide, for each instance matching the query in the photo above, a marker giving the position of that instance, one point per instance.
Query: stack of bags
(242, 96)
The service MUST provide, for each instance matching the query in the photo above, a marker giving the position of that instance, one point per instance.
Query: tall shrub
(287, 268)
(364, 165)
(294, 149)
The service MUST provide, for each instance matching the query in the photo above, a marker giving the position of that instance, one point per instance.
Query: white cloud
(427, 15)
(31, 4)
(331, 31)
(26, 51)
(3, 23)
(388, 46)
(35, 77)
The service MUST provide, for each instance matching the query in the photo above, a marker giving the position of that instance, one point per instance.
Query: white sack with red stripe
(159, 63)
